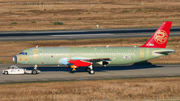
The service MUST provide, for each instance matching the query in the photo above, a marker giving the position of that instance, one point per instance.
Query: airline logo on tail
(160, 37)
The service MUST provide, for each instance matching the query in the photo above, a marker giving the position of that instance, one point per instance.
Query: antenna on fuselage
(37, 46)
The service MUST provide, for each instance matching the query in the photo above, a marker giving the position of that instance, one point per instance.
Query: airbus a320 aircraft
(75, 57)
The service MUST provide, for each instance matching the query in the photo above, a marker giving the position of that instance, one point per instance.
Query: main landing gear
(90, 70)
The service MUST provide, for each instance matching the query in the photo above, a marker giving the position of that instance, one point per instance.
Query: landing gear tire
(88, 69)
(34, 72)
(91, 71)
(6, 73)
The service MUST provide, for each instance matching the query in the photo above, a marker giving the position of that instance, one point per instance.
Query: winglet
(160, 37)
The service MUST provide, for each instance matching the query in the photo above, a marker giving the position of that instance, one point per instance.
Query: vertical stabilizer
(160, 37)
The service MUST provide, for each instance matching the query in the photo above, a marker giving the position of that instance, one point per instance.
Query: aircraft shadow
(96, 68)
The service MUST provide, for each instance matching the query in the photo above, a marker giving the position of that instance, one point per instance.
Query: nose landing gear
(35, 70)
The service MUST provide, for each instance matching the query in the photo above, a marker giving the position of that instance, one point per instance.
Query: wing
(88, 62)
(97, 59)
(79, 63)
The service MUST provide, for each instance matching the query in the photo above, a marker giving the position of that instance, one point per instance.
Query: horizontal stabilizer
(165, 52)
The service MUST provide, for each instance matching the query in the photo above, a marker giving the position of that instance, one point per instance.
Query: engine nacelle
(101, 63)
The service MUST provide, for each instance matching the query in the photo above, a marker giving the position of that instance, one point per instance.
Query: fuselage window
(25, 53)
(22, 53)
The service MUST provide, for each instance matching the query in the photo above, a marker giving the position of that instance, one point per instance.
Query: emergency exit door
(141, 53)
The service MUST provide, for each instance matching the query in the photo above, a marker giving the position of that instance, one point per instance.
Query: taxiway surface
(62, 73)
(82, 34)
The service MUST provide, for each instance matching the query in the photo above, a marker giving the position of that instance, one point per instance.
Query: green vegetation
(58, 23)
(125, 11)
(33, 22)
(14, 23)
(145, 11)
(79, 18)
(138, 10)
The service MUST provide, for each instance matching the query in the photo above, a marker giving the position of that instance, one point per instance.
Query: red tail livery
(160, 37)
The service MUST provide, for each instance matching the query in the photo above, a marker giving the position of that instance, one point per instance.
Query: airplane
(88, 57)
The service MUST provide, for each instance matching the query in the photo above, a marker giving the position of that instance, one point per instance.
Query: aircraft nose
(15, 59)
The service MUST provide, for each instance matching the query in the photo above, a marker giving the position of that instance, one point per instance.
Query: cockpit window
(23, 53)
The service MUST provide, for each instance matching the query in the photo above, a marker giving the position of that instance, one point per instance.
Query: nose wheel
(35, 70)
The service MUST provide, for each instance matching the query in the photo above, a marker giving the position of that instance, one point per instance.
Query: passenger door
(35, 53)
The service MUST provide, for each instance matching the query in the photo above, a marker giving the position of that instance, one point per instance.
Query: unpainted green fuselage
(61, 55)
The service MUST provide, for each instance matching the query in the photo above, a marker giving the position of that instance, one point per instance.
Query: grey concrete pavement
(62, 73)
(82, 34)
